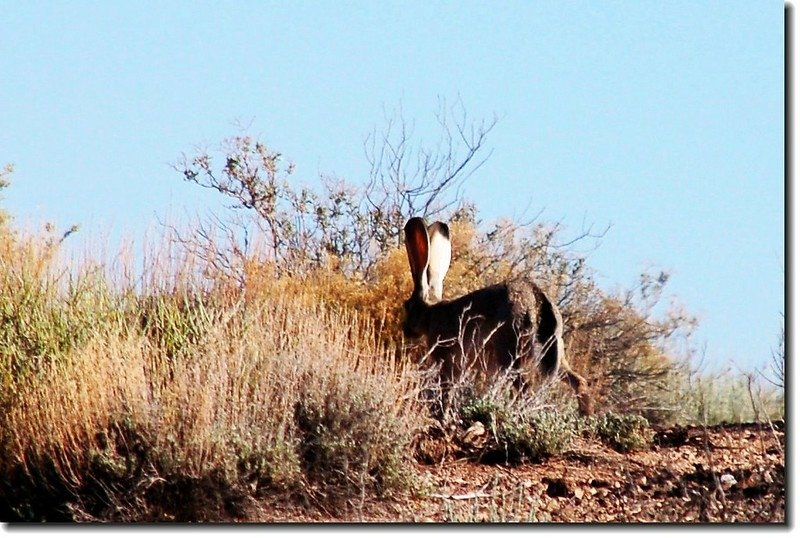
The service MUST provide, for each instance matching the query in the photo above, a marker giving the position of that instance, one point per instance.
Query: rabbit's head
(428, 249)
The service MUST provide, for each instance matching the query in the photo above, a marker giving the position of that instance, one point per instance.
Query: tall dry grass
(179, 402)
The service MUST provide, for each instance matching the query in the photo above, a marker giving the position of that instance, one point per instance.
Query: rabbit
(513, 324)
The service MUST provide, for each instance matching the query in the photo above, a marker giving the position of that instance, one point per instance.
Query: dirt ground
(727, 473)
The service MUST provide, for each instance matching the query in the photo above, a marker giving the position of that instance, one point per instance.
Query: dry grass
(170, 394)
(141, 401)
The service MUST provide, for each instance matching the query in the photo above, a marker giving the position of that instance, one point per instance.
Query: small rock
(475, 435)
(727, 480)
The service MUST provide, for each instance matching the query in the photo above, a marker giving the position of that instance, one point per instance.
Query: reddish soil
(728, 473)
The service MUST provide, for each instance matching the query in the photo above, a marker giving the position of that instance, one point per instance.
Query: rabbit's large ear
(439, 257)
(417, 247)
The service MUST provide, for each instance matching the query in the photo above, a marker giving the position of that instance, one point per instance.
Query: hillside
(683, 477)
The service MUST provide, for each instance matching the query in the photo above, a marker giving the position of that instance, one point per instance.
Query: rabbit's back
(499, 322)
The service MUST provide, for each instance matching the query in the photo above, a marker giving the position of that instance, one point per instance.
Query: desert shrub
(622, 432)
(350, 225)
(548, 433)
(521, 426)
(346, 438)
(378, 299)
(634, 357)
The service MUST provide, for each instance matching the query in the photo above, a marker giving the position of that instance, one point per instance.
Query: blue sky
(662, 119)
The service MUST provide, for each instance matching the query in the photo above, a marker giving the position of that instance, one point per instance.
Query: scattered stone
(727, 480)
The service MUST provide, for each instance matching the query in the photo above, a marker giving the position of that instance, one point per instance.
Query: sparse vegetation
(520, 427)
(622, 432)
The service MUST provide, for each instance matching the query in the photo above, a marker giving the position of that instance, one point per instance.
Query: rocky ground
(727, 473)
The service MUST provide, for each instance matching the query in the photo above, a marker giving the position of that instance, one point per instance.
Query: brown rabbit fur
(512, 325)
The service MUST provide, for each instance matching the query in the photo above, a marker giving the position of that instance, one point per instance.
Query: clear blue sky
(663, 119)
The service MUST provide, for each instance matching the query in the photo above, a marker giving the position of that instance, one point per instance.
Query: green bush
(622, 432)
(347, 441)
(519, 430)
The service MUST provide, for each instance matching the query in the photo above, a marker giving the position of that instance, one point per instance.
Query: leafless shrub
(349, 226)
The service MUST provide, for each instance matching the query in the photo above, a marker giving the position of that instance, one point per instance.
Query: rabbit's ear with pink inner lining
(417, 248)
